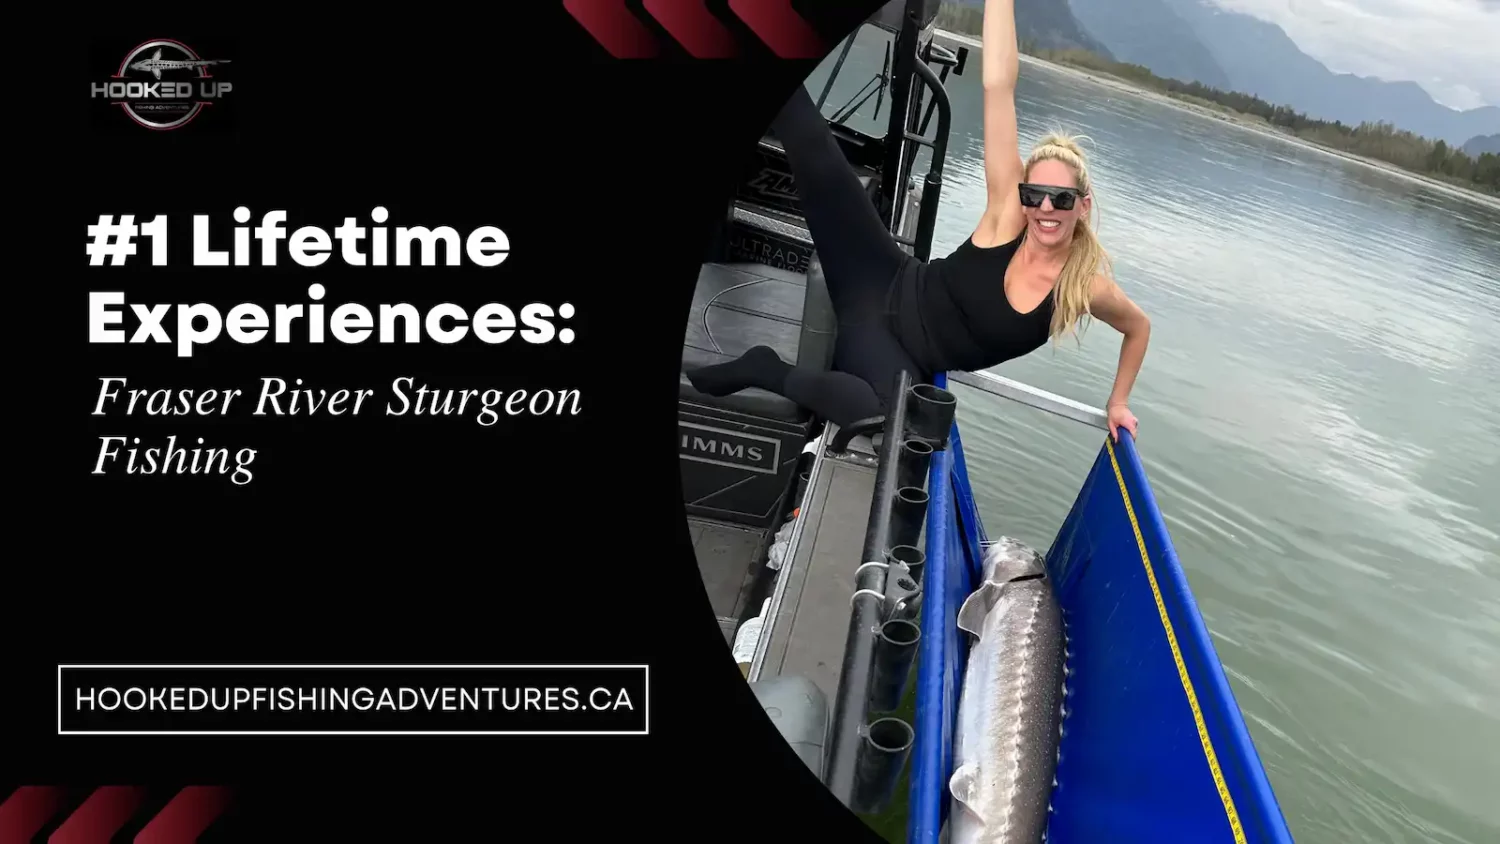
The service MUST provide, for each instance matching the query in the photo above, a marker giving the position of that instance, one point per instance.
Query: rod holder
(911, 468)
(895, 648)
(908, 557)
(902, 596)
(908, 511)
(929, 413)
(847, 739)
(882, 754)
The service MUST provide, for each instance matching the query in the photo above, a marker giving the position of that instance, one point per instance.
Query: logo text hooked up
(163, 84)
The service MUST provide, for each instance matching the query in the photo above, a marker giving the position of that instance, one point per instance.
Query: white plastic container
(748, 637)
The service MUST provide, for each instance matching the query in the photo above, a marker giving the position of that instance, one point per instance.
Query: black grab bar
(932, 185)
(904, 54)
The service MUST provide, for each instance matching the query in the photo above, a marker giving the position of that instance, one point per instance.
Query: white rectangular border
(775, 449)
(645, 669)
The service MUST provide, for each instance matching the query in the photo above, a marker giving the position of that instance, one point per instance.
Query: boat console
(761, 285)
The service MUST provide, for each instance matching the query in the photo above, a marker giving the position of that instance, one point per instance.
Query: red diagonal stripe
(100, 816)
(185, 817)
(614, 27)
(26, 811)
(694, 26)
(778, 24)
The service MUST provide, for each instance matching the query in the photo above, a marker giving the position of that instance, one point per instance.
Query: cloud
(1446, 46)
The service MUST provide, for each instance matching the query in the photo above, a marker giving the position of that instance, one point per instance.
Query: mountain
(1196, 40)
(1259, 58)
(1482, 144)
(1151, 35)
(1051, 24)
(1048, 24)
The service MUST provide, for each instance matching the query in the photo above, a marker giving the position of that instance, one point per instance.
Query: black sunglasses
(1062, 198)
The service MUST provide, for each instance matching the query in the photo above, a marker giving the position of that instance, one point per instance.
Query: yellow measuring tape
(1182, 674)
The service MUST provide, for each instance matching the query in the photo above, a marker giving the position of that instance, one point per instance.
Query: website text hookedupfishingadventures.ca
(351, 699)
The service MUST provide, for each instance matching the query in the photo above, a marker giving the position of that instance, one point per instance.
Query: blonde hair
(1087, 257)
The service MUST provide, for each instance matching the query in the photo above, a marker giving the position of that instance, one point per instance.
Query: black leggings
(860, 259)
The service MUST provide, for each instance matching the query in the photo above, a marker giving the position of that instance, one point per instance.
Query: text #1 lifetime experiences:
(112, 242)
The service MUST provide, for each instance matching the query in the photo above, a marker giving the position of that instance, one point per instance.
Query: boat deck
(727, 560)
(809, 615)
(807, 620)
(736, 306)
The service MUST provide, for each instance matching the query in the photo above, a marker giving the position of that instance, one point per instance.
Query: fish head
(1006, 559)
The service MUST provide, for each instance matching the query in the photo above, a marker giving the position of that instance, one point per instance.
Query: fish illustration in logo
(156, 64)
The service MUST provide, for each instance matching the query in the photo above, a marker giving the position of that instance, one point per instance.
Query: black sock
(759, 367)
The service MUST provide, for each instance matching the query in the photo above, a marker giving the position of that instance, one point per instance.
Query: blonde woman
(1032, 270)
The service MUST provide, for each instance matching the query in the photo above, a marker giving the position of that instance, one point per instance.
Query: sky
(1446, 46)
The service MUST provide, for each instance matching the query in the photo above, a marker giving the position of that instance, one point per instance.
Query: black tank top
(952, 314)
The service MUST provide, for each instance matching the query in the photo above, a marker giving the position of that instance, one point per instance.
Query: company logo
(750, 245)
(734, 449)
(163, 84)
(774, 184)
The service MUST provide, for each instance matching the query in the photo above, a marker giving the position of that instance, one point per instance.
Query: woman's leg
(868, 357)
(858, 253)
(836, 396)
(859, 257)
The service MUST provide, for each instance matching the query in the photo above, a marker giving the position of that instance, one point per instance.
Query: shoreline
(1232, 118)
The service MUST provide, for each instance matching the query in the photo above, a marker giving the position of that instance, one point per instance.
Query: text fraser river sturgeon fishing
(277, 396)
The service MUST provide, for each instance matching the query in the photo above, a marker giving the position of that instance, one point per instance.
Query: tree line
(1380, 140)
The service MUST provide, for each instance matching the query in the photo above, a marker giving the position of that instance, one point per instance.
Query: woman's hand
(1121, 417)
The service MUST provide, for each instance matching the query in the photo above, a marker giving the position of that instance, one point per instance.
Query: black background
(370, 540)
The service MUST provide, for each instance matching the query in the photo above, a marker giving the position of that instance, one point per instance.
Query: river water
(1320, 419)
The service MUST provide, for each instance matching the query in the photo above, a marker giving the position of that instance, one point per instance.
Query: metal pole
(905, 55)
(932, 187)
(999, 385)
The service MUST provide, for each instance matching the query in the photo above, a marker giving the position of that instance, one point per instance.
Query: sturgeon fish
(1010, 709)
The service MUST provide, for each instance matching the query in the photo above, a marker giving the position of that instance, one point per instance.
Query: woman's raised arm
(1001, 66)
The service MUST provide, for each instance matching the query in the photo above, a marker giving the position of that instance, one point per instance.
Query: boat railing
(866, 755)
(906, 133)
(932, 184)
(898, 152)
(1008, 388)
